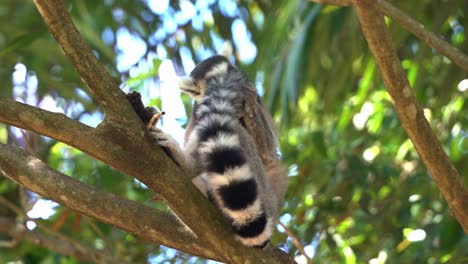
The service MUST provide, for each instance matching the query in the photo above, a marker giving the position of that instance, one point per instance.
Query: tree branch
(413, 26)
(54, 125)
(152, 224)
(411, 115)
(296, 242)
(94, 75)
(56, 244)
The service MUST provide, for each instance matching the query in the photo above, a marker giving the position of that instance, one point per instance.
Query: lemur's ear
(226, 50)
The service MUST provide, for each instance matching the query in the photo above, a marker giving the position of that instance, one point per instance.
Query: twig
(98, 231)
(295, 241)
(442, 171)
(154, 119)
(413, 26)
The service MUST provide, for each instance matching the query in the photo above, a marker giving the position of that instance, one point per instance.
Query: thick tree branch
(55, 243)
(413, 26)
(94, 75)
(152, 224)
(411, 115)
(129, 152)
(54, 125)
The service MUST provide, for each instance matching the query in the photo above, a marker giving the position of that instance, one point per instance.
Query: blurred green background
(358, 192)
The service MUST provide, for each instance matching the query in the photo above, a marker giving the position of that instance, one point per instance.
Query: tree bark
(442, 171)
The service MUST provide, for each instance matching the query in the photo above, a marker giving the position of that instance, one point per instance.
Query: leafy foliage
(358, 191)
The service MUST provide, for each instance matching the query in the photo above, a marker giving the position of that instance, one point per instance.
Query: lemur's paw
(162, 138)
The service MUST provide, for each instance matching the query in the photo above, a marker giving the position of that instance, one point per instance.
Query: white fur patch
(214, 180)
(240, 217)
(214, 118)
(217, 70)
(232, 174)
(226, 50)
(221, 140)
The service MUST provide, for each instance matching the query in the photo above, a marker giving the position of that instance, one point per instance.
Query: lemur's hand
(168, 144)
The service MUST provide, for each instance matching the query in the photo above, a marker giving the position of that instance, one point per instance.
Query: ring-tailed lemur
(221, 154)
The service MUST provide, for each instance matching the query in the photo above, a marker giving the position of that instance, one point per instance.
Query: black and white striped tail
(230, 181)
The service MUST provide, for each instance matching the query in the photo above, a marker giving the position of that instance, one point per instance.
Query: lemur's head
(213, 67)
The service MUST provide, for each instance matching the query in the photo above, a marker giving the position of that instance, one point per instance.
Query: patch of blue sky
(42, 209)
(169, 23)
(158, 6)
(247, 51)
(204, 4)
(165, 254)
(259, 79)
(197, 23)
(130, 49)
(187, 60)
(186, 13)
(228, 8)
(50, 103)
(171, 102)
(161, 51)
(19, 80)
(285, 219)
(119, 15)
(92, 119)
(147, 16)
(82, 94)
(160, 34)
(108, 36)
(217, 40)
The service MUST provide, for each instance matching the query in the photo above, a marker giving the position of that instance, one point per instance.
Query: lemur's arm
(168, 144)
